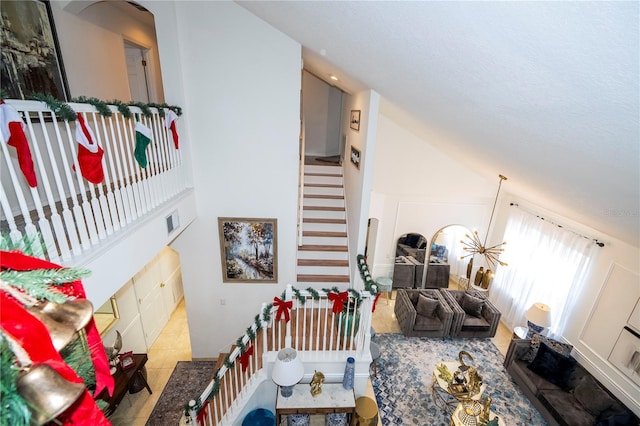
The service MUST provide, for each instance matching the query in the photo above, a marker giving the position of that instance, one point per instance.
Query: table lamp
(287, 371)
(538, 317)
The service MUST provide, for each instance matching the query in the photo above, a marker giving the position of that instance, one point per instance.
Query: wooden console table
(333, 399)
(124, 381)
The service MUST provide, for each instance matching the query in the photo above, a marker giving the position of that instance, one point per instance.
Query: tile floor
(173, 345)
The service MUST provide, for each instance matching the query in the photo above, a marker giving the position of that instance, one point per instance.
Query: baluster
(114, 198)
(102, 199)
(132, 190)
(167, 145)
(141, 174)
(30, 229)
(120, 176)
(67, 216)
(56, 220)
(79, 221)
(14, 233)
(164, 175)
(152, 174)
(86, 207)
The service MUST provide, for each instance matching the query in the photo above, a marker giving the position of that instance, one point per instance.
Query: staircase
(323, 257)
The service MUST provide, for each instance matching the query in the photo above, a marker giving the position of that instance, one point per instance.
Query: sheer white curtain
(546, 264)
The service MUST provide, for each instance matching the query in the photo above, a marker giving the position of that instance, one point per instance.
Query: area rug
(405, 372)
(189, 378)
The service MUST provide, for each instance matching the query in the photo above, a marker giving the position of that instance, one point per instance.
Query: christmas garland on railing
(244, 342)
(64, 111)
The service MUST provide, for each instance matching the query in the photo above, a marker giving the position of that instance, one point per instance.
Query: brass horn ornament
(63, 320)
(47, 393)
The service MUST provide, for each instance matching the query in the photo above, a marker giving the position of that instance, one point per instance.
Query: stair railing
(315, 329)
(67, 214)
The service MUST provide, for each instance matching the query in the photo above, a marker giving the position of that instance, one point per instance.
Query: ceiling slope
(546, 93)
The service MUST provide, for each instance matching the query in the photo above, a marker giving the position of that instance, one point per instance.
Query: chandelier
(472, 244)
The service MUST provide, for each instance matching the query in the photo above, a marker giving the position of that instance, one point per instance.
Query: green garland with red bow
(283, 307)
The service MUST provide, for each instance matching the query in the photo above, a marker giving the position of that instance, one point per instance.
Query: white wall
(357, 181)
(321, 109)
(93, 57)
(417, 188)
(241, 98)
(115, 20)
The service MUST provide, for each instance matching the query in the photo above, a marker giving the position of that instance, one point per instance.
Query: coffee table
(442, 397)
(333, 399)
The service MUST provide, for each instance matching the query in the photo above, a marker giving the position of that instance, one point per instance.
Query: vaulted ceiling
(546, 93)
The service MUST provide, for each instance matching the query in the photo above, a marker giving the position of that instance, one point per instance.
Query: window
(547, 264)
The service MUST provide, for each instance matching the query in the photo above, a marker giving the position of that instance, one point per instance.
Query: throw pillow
(591, 396)
(427, 306)
(611, 417)
(536, 339)
(553, 366)
(472, 305)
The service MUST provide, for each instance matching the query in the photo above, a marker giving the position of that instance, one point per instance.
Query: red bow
(339, 299)
(373, 309)
(244, 358)
(283, 308)
(202, 415)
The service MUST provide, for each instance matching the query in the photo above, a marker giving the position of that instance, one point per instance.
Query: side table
(125, 381)
(520, 332)
(333, 399)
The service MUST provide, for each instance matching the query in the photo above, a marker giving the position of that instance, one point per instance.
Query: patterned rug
(405, 371)
(186, 376)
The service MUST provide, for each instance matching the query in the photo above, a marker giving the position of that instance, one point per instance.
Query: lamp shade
(288, 369)
(539, 314)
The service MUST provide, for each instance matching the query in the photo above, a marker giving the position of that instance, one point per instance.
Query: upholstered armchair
(403, 273)
(423, 313)
(473, 314)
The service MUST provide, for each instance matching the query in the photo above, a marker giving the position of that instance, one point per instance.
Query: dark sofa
(561, 389)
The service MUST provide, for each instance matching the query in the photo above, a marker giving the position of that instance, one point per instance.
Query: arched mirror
(410, 256)
(445, 251)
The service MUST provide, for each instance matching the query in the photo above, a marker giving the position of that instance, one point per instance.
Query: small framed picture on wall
(355, 157)
(354, 120)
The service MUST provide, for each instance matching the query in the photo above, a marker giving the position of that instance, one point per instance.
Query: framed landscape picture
(354, 120)
(31, 59)
(248, 250)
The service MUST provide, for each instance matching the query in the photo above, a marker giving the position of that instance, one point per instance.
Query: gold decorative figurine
(316, 383)
(484, 413)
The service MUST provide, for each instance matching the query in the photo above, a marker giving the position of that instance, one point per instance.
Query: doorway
(136, 57)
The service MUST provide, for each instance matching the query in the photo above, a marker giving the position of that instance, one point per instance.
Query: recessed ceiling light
(333, 77)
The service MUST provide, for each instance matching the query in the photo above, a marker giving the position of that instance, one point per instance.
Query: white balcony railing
(65, 214)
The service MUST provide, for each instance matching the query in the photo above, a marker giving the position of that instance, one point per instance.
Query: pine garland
(241, 345)
(26, 244)
(75, 354)
(227, 361)
(14, 408)
(101, 106)
(36, 282)
(122, 108)
(146, 111)
(64, 111)
(299, 296)
(251, 334)
(61, 109)
(314, 293)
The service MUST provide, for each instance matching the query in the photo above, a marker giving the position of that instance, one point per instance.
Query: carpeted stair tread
(324, 234)
(321, 220)
(324, 208)
(323, 278)
(316, 247)
(322, 262)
